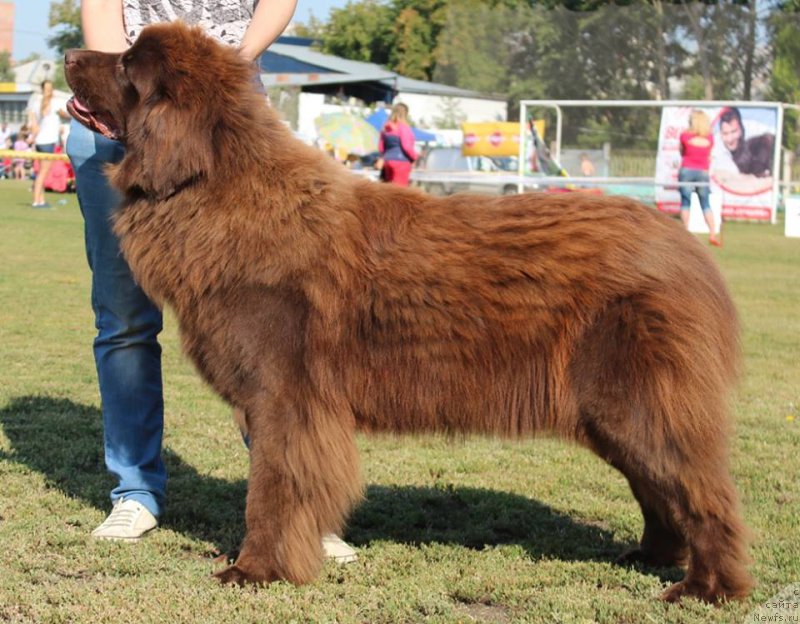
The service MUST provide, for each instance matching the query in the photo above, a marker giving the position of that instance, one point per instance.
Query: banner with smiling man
(742, 160)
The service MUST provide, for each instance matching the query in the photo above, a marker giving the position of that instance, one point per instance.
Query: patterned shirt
(224, 20)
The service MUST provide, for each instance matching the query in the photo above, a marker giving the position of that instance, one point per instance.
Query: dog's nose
(71, 57)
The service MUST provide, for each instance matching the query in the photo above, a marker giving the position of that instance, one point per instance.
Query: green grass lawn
(472, 531)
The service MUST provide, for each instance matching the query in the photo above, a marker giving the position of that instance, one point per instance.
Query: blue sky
(31, 30)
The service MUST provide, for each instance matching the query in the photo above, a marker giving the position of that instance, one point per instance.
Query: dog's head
(757, 155)
(164, 98)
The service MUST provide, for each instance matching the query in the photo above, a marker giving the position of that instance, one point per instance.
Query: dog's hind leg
(707, 509)
(690, 513)
(304, 478)
(655, 410)
(662, 545)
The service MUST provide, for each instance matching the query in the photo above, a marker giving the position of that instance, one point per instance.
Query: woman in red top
(696, 144)
(396, 146)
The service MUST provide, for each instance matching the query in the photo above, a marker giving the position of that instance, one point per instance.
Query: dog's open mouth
(98, 121)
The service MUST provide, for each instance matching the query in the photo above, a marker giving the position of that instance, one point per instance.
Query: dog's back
(599, 320)
(470, 311)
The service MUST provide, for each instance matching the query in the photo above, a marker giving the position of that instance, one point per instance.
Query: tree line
(567, 49)
(582, 50)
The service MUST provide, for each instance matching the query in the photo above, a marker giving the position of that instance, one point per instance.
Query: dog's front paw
(234, 575)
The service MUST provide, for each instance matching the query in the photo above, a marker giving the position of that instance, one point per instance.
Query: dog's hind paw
(234, 575)
(674, 593)
(677, 592)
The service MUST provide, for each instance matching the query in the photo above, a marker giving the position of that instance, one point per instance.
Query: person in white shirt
(5, 133)
(44, 122)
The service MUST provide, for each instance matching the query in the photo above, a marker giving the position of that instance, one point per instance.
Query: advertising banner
(742, 159)
(491, 138)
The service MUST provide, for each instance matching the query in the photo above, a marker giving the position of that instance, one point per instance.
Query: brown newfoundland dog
(319, 303)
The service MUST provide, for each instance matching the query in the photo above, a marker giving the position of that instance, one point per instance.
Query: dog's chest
(167, 256)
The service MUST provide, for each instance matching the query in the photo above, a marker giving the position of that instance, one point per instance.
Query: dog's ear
(166, 147)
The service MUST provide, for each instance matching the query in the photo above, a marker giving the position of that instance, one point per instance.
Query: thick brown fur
(317, 303)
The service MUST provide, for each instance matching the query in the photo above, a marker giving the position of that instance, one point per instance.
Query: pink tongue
(79, 105)
(90, 120)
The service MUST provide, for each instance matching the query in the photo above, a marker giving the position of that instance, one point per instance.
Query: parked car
(445, 170)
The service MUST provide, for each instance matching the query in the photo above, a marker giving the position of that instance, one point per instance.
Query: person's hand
(247, 54)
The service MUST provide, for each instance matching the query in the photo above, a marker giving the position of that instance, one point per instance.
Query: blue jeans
(126, 350)
(703, 192)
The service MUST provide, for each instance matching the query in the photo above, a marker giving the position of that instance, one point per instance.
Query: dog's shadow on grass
(62, 440)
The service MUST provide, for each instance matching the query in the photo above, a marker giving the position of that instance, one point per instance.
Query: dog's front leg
(304, 478)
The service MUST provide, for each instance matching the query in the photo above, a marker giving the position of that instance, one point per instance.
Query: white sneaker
(337, 549)
(128, 521)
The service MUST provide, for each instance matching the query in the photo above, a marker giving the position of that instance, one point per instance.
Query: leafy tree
(699, 21)
(473, 50)
(314, 29)
(6, 73)
(400, 34)
(65, 14)
(591, 55)
(411, 54)
(361, 31)
(784, 83)
(418, 26)
(573, 49)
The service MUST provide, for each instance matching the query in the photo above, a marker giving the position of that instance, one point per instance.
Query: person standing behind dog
(45, 124)
(396, 146)
(696, 144)
(126, 349)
